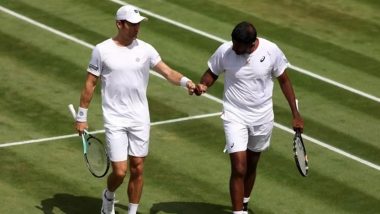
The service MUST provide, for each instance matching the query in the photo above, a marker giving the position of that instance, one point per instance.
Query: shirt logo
(136, 11)
(93, 67)
(137, 59)
(262, 59)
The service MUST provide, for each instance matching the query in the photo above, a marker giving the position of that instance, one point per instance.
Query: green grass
(186, 171)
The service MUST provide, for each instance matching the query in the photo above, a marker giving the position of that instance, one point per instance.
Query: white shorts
(240, 137)
(125, 141)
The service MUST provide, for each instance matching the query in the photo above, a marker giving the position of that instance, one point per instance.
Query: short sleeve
(280, 63)
(95, 65)
(154, 57)
(215, 63)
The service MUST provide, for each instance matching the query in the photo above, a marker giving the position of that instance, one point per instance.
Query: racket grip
(72, 111)
(298, 130)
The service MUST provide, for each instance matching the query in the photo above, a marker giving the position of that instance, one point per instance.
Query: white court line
(102, 131)
(327, 146)
(45, 27)
(296, 68)
(332, 148)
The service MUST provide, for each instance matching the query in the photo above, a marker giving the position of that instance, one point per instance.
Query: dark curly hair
(244, 32)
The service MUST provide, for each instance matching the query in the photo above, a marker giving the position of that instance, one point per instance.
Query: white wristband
(82, 114)
(184, 81)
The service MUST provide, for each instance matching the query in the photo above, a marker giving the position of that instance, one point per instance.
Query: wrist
(183, 81)
(82, 115)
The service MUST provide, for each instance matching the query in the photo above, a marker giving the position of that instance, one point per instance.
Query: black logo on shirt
(262, 59)
(93, 67)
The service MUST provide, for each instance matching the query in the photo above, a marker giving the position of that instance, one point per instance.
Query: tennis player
(250, 65)
(123, 63)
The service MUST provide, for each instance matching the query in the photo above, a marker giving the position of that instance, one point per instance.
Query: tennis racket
(299, 150)
(95, 154)
(300, 155)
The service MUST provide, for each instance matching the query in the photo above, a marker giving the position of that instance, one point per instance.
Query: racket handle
(72, 111)
(298, 131)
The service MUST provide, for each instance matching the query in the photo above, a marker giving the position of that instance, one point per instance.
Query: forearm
(290, 97)
(174, 77)
(84, 103)
(170, 74)
(208, 78)
(289, 94)
(287, 90)
(86, 97)
(88, 91)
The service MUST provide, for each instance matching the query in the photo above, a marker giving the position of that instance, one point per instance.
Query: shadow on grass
(191, 208)
(71, 204)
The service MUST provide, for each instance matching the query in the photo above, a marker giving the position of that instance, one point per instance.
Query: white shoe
(108, 205)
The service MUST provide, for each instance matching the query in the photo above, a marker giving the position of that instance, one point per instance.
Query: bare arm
(85, 98)
(287, 90)
(207, 80)
(173, 76)
(88, 90)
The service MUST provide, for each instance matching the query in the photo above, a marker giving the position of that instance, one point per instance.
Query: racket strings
(300, 154)
(96, 156)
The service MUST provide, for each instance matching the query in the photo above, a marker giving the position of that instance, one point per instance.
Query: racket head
(300, 155)
(96, 156)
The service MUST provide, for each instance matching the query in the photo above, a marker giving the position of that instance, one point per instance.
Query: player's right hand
(298, 123)
(200, 89)
(190, 87)
(80, 127)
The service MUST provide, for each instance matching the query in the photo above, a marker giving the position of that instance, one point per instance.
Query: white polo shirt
(248, 82)
(124, 73)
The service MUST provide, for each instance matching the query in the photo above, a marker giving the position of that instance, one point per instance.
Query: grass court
(186, 171)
